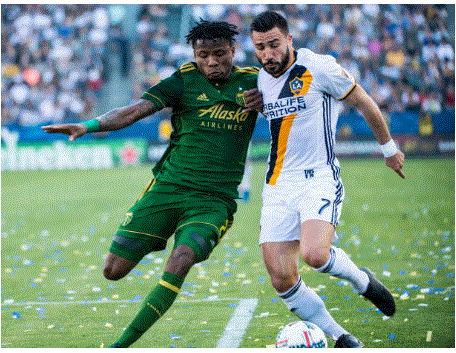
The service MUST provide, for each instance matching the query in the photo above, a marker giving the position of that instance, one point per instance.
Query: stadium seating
(55, 60)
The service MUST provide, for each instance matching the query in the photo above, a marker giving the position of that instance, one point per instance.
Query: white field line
(236, 327)
(231, 337)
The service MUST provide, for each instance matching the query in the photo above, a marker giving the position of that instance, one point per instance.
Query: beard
(279, 66)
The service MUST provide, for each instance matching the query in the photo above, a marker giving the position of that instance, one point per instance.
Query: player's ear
(290, 38)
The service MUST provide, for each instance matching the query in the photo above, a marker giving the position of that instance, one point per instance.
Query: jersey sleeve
(167, 92)
(333, 79)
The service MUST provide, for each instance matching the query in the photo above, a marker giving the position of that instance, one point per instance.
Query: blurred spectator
(431, 103)
(449, 96)
(55, 64)
(445, 51)
(325, 29)
(411, 100)
(425, 124)
(52, 61)
(395, 51)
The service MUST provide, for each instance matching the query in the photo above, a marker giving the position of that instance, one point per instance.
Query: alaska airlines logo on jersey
(217, 112)
(284, 107)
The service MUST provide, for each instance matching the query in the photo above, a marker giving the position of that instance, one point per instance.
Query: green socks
(154, 306)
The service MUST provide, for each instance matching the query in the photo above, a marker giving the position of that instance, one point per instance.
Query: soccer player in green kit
(195, 183)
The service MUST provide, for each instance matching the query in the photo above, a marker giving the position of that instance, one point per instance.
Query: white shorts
(287, 206)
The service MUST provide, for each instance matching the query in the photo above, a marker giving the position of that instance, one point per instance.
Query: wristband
(389, 149)
(92, 125)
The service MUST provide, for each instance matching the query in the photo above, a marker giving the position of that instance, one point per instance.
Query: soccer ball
(301, 334)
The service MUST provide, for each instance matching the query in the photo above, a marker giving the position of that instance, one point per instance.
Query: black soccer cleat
(379, 295)
(348, 341)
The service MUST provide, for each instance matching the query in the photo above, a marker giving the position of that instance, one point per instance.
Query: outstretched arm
(115, 119)
(373, 117)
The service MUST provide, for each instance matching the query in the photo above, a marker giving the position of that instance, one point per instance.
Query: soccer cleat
(348, 341)
(379, 295)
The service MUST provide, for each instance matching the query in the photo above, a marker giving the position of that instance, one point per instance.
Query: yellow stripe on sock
(169, 286)
(154, 308)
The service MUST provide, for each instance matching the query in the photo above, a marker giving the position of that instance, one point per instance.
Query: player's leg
(162, 296)
(320, 207)
(192, 245)
(130, 245)
(281, 260)
(147, 226)
(201, 225)
(279, 240)
(317, 252)
(117, 267)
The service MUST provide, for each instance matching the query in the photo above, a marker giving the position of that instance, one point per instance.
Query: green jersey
(211, 134)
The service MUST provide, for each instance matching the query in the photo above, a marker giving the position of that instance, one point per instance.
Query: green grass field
(57, 227)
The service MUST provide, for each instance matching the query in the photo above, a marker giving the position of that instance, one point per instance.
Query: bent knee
(181, 260)
(109, 273)
(315, 258)
(283, 281)
(117, 267)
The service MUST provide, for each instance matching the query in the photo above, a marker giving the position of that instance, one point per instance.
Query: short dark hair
(267, 20)
(212, 30)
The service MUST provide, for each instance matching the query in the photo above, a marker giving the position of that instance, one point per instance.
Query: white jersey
(302, 107)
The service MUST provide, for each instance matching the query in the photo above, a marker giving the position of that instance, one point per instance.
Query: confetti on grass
(16, 315)
(415, 291)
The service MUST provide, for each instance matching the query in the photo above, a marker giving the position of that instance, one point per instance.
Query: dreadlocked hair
(212, 30)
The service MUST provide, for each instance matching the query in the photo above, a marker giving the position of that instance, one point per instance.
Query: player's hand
(253, 100)
(73, 130)
(396, 163)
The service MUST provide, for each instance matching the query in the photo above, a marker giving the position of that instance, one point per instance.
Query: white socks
(308, 306)
(339, 265)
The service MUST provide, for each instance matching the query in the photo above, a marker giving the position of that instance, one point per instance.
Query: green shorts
(197, 219)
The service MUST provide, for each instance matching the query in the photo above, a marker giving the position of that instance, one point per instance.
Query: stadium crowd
(53, 61)
(55, 58)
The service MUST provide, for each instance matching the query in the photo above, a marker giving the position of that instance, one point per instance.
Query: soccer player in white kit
(303, 191)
